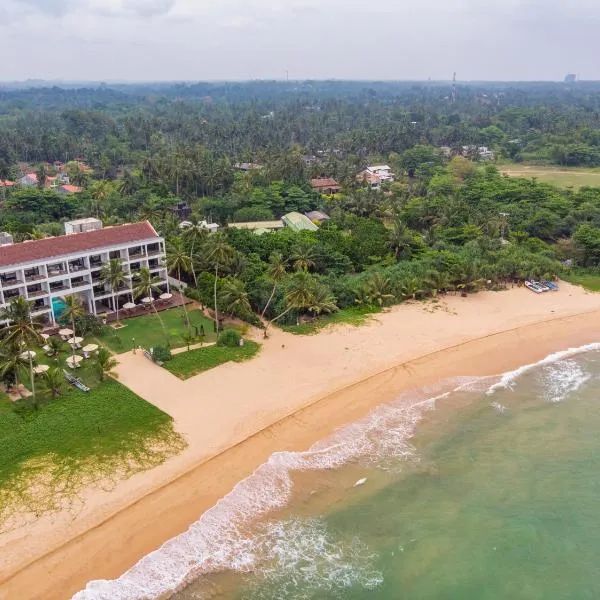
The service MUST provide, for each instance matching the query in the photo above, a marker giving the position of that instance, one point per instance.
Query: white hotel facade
(44, 270)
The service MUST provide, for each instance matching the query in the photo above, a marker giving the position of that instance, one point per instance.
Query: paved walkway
(192, 347)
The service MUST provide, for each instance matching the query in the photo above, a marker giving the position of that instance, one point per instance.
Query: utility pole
(454, 88)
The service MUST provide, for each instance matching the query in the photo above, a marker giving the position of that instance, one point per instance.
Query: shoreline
(174, 504)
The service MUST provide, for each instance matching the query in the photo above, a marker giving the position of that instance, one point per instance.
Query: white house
(376, 175)
(44, 271)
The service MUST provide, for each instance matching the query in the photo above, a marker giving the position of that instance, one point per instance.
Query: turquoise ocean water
(484, 489)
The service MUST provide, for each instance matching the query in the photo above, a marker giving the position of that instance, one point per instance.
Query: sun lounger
(76, 382)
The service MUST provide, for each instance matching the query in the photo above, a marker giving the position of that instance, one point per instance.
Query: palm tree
(194, 235)
(22, 331)
(113, 275)
(105, 364)
(54, 381)
(219, 252)
(400, 238)
(55, 345)
(72, 311)
(12, 361)
(377, 290)
(411, 288)
(303, 257)
(145, 285)
(322, 300)
(188, 338)
(276, 272)
(178, 261)
(299, 294)
(42, 176)
(235, 298)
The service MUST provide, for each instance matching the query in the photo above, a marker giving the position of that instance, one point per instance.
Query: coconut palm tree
(235, 298)
(146, 284)
(55, 346)
(72, 311)
(105, 364)
(22, 331)
(218, 252)
(299, 293)
(303, 257)
(194, 235)
(179, 262)
(377, 290)
(12, 361)
(113, 275)
(54, 381)
(276, 272)
(322, 301)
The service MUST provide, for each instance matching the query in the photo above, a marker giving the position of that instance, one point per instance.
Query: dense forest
(449, 221)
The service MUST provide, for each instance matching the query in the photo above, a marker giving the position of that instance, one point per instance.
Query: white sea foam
(221, 539)
(508, 380)
(300, 557)
(561, 379)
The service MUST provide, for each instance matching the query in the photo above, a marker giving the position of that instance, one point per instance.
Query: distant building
(298, 222)
(259, 227)
(248, 167)
(82, 225)
(375, 175)
(31, 179)
(69, 189)
(6, 183)
(210, 227)
(570, 78)
(325, 185)
(6, 239)
(317, 217)
(479, 152)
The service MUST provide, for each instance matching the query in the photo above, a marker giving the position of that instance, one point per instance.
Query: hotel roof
(76, 242)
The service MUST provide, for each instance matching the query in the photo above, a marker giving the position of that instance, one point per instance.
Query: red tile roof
(324, 182)
(76, 242)
(7, 183)
(70, 189)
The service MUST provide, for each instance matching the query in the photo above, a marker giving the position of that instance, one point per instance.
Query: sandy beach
(298, 390)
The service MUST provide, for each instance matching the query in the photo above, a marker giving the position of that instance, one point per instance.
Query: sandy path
(219, 409)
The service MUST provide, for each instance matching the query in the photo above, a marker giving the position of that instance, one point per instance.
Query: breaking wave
(222, 539)
(508, 380)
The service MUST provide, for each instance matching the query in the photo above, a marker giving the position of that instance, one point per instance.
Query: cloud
(149, 8)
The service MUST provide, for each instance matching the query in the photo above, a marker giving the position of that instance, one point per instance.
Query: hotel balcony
(36, 293)
(8, 283)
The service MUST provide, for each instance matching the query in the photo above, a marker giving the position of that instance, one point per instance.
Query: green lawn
(558, 176)
(590, 281)
(108, 432)
(188, 364)
(147, 331)
(355, 315)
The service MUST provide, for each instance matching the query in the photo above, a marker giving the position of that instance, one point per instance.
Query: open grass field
(356, 315)
(558, 176)
(188, 364)
(148, 333)
(46, 456)
(589, 281)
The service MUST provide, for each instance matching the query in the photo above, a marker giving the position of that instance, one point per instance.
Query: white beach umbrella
(28, 354)
(90, 348)
(65, 332)
(41, 369)
(166, 296)
(146, 300)
(128, 305)
(46, 348)
(44, 336)
(74, 360)
(75, 340)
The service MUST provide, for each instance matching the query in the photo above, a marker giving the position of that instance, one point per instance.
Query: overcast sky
(260, 39)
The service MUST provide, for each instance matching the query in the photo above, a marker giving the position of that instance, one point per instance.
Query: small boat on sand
(534, 287)
(553, 287)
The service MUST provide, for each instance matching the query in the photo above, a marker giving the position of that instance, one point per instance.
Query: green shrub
(161, 354)
(230, 338)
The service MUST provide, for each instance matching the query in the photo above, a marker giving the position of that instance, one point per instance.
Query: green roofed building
(298, 222)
